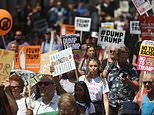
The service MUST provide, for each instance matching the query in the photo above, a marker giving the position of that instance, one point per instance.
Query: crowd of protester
(109, 85)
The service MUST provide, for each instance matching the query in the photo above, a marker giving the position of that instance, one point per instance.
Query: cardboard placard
(63, 62)
(45, 62)
(71, 41)
(111, 37)
(6, 59)
(82, 24)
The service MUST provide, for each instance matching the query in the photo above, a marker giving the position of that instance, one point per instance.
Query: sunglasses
(15, 87)
(45, 83)
(112, 51)
(149, 82)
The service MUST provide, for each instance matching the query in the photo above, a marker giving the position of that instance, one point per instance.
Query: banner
(146, 56)
(67, 29)
(28, 57)
(111, 37)
(82, 24)
(147, 27)
(134, 27)
(71, 41)
(63, 62)
(6, 59)
(45, 62)
(142, 6)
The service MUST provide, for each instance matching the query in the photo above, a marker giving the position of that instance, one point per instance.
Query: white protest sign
(107, 25)
(82, 24)
(111, 37)
(63, 62)
(142, 6)
(124, 6)
(134, 27)
(71, 41)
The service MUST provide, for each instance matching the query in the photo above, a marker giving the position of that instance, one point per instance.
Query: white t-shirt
(67, 85)
(89, 110)
(40, 107)
(97, 87)
(21, 106)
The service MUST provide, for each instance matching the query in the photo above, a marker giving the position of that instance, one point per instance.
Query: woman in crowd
(64, 83)
(112, 53)
(67, 105)
(90, 53)
(98, 87)
(68, 81)
(16, 85)
(83, 98)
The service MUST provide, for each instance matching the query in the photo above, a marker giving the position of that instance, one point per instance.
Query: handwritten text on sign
(63, 61)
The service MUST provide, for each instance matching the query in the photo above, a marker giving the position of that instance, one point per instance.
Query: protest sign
(109, 25)
(6, 59)
(34, 78)
(71, 41)
(142, 6)
(45, 62)
(134, 27)
(124, 6)
(67, 29)
(146, 56)
(82, 24)
(111, 37)
(147, 27)
(40, 25)
(28, 57)
(63, 62)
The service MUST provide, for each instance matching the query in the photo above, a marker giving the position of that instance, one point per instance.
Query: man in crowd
(123, 81)
(19, 40)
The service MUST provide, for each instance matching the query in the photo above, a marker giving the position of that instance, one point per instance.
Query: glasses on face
(45, 83)
(15, 87)
(112, 51)
(147, 82)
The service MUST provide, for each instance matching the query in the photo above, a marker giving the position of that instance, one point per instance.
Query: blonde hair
(69, 100)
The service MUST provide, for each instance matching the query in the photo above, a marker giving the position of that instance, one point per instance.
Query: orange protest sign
(67, 29)
(5, 22)
(28, 57)
(6, 58)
